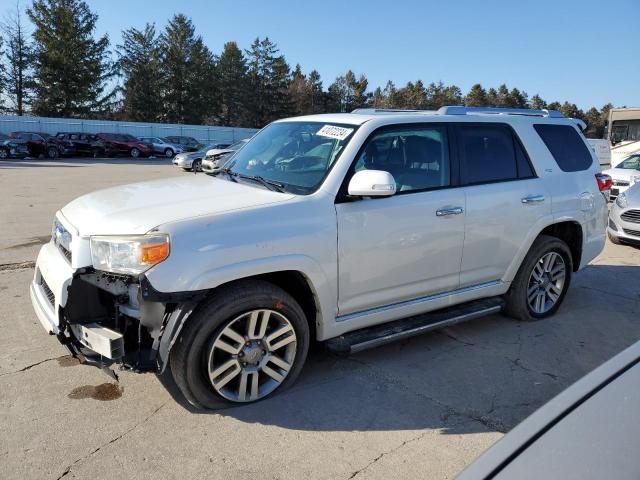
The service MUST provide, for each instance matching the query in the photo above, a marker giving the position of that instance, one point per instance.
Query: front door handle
(533, 199)
(443, 212)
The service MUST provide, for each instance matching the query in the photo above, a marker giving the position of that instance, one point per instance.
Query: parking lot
(422, 408)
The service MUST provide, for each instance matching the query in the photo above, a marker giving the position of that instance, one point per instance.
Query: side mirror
(372, 183)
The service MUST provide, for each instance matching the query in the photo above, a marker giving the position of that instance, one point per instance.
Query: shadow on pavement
(81, 162)
(486, 375)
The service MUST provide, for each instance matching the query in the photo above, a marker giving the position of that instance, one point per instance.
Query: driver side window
(417, 157)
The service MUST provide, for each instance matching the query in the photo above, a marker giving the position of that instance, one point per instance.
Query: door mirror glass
(372, 183)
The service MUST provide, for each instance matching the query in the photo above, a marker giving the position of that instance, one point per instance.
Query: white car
(624, 217)
(624, 174)
(212, 160)
(163, 146)
(354, 229)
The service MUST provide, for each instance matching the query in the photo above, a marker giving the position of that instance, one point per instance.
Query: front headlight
(621, 201)
(635, 179)
(129, 254)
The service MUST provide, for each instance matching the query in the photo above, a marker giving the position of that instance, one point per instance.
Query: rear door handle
(443, 212)
(533, 199)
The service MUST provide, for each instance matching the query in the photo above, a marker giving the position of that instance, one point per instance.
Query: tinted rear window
(486, 153)
(566, 146)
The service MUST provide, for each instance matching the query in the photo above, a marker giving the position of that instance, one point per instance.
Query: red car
(124, 144)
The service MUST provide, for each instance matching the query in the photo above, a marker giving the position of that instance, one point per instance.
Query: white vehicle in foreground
(624, 175)
(624, 217)
(352, 229)
(214, 157)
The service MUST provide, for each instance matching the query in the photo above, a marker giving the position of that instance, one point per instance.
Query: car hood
(139, 207)
(217, 151)
(622, 173)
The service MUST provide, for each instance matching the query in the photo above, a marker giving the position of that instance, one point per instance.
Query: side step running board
(375, 336)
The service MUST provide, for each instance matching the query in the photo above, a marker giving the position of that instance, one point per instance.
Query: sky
(586, 52)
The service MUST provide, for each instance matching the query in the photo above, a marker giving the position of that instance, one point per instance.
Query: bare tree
(18, 59)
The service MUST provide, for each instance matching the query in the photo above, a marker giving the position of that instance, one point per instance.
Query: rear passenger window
(566, 146)
(490, 153)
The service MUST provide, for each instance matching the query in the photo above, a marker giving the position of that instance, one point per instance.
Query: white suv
(352, 229)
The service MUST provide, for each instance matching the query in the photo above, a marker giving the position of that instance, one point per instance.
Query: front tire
(52, 153)
(168, 153)
(247, 342)
(196, 166)
(135, 153)
(4, 154)
(539, 287)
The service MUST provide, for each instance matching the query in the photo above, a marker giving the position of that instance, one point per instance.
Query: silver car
(162, 146)
(190, 161)
(624, 217)
(216, 157)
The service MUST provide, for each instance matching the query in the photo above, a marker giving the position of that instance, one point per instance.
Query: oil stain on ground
(68, 361)
(102, 392)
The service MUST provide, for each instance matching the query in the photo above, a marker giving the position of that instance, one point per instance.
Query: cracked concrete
(422, 408)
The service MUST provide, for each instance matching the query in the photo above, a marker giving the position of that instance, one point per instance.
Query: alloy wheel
(4, 154)
(546, 282)
(252, 355)
(135, 153)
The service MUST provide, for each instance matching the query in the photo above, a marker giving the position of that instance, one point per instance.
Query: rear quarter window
(568, 149)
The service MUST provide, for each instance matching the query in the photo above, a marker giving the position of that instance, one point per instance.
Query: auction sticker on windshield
(332, 131)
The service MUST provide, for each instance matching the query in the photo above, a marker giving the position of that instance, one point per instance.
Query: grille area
(620, 183)
(47, 291)
(65, 252)
(634, 233)
(632, 216)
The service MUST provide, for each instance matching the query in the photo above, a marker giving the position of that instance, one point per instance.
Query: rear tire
(169, 153)
(4, 154)
(52, 153)
(196, 166)
(539, 287)
(135, 153)
(219, 327)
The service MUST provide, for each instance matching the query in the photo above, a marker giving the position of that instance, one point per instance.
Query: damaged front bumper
(106, 319)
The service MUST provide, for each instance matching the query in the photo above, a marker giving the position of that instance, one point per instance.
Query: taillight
(604, 181)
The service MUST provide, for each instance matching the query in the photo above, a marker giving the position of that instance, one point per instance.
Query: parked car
(44, 144)
(624, 217)
(163, 146)
(124, 144)
(12, 147)
(82, 144)
(216, 157)
(625, 174)
(189, 144)
(354, 229)
(190, 161)
(590, 431)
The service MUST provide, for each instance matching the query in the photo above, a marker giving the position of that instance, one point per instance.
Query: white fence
(203, 133)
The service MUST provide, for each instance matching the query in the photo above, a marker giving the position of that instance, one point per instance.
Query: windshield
(631, 163)
(297, 155)
(237, 145)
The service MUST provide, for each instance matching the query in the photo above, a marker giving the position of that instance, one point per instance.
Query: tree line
(61, 69)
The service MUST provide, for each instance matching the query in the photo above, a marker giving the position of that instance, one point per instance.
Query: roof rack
(378, 111)
(460, 110)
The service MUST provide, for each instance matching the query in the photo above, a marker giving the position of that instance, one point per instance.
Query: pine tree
(492, 97)
(317, 94)
(537, 102)
(440, 95)
(188, 89)
(477, 97)
(139, 62)
(231, 73)
(348, 93)
(18, 56)
(502, 96)
(517, 99)
(71, 67)
(268, 83)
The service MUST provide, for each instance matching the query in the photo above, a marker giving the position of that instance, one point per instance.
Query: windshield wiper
(270, 184)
